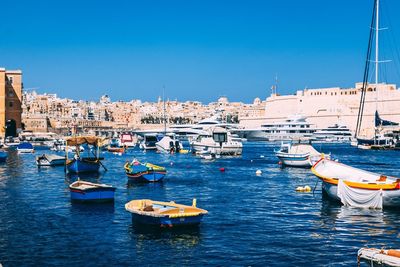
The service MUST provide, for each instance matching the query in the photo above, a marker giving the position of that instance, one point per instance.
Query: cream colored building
(326, 106)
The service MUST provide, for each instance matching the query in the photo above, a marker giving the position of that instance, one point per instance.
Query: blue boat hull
(150, 176)
(98, 195)
(3, 156)
(166, 221)
(80, 166)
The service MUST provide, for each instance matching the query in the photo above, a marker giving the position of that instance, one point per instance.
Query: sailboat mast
(377, 44)
(165, 119)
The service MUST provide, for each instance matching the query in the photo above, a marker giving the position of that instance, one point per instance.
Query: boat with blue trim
(164, 214)
(25, 147)
(298, 154)
(50, 160)
(145, 172)
(90, 192)
(80, 164)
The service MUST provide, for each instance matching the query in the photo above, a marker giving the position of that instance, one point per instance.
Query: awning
(79, 140)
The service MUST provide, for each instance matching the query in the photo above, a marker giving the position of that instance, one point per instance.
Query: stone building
(10, 102)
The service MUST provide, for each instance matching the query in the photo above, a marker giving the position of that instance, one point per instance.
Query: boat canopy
(80, 140)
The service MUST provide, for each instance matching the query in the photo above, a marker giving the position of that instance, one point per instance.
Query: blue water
(252, 220)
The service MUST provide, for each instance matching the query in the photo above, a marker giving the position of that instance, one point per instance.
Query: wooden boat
(298, 155)
(146, 211)
(356, 187)
(3, 156)
(145, 172)
(50, 160)
(25, 147)
(379, 257)
(115, 146)
(80, 164)
(91, 192)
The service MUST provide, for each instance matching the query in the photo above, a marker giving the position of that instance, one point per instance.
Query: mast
(165, 120)
(377, 44)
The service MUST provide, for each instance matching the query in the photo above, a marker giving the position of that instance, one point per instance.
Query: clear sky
(198, 49)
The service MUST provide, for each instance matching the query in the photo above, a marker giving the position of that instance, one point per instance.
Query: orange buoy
(222, 169)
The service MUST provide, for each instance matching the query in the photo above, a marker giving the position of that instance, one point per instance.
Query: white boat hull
(224, 150)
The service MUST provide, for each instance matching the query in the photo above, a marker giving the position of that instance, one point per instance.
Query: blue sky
(199, 50)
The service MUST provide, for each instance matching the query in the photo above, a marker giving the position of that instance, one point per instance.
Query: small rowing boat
(164, 214)
(379, 257)
(90, 192)
(298, 155)
(50, 160)
(356, 187)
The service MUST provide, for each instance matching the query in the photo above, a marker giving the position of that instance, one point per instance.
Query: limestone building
(10, 102)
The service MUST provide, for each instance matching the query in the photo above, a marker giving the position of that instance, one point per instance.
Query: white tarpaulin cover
(360, 198)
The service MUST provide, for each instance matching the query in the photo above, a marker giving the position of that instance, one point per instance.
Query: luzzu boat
(164, 214)
(80, 164)
(356, 187)
(145, 172)
(90, 192)
(298, 155)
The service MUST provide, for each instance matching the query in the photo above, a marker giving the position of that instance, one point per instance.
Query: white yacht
(149, 142)
(169, 144)
(218, 141)
(293, 128)
(335, 133)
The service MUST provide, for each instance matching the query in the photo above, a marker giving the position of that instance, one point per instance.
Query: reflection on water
(252, 220)
(182, 236)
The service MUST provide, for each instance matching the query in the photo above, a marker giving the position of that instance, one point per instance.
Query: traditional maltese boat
(164, 214)
(145, 172)
(90, 192)
(356, 187)
(298, 155)
(379, 257)
(79, 164)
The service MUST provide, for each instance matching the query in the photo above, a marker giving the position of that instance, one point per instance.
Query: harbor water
(253, 220)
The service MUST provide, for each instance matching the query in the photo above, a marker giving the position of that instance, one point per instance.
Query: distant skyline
(198, 50)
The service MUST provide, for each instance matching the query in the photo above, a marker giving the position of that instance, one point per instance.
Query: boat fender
(258, 172)
(393, 253)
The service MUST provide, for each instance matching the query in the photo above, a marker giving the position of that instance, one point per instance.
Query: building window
(10, 80)
(10, 104)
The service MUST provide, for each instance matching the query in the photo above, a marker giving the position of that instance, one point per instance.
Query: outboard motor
(171, 147)
(177, 146)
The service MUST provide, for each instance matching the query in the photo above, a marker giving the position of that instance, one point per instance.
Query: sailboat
(380, 140)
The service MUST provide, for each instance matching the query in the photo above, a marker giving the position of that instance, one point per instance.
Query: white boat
(334, 133)
(25, 147)
(293, 128)
(379, 257)
(128, 140)
(218, 140)
(356, 187)
(169, 144)
(149, 142)
(50, 160)
(298, 155)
